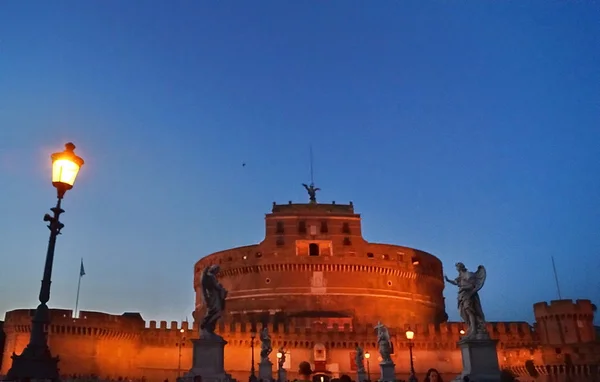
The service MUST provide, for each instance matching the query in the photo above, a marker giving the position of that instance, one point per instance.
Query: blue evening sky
(470, 130)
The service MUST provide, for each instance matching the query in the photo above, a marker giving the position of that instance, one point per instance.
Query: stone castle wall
(125, 345)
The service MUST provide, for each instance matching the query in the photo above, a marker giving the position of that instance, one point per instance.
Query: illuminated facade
(320, 287)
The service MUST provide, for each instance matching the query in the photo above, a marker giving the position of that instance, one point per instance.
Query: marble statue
(312, 192)
(214, 296)
(384, 343)
(265, 345)
(281, 360)
(469, 305)
(360, 360)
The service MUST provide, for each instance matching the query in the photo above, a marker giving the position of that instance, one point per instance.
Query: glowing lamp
(462, 331)
(182, 330)
(410, 335)
(367, 355)
(65, 167)
(279, 355)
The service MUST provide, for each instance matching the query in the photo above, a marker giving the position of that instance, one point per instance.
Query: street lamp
(462, 332)
(180, 344)
(280, 361)
(409, 336)
(36, 361)
(252, 371)
(367, 356)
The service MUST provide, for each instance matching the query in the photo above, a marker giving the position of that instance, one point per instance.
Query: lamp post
(409, 336)
(252, 371)
(36, 361)
(367, 356)
(180, 344)
(279, 366)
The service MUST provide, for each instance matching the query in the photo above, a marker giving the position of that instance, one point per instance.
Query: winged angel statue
(469, 305)
(214, 296)
(384, 343)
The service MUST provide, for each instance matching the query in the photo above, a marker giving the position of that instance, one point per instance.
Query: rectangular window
(324, 227)
(279, 227)
(302, 227)
(313, 230)
(346, 228)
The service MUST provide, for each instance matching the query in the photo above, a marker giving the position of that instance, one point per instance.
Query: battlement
(313, 209)
(62, 322)
(579, 308)
(298, 330)
(65, 317)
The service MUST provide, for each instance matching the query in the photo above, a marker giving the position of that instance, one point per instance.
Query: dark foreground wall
(2, 339)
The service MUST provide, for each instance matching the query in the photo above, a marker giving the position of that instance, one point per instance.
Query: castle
(320, 288)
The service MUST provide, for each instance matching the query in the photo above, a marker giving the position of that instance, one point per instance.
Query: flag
(81, 269)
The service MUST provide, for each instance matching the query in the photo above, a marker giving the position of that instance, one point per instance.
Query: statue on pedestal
(360, 360)
(469, 305)
(384, 343)
(214, 295)
(265, 345)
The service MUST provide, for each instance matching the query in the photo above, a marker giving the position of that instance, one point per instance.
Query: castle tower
(564, 322)
(314, 264)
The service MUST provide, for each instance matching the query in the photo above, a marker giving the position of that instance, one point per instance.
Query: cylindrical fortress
(314, 262)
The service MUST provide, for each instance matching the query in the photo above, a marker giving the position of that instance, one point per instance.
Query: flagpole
(81, 273)
(556, 279)
(77, 300)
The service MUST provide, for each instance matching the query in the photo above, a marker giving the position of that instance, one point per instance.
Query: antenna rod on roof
(556, 278)
(312, 180)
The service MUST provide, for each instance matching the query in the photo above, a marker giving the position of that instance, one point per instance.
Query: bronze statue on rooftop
(312, 192)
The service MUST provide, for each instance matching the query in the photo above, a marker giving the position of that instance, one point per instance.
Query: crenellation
(152, 325)
(444, 328)
(163, 325)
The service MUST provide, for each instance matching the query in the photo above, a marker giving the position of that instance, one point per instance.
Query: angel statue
(281, 360)
(312, 192)
(265, 345)
(384, 343)
(360, 360)
(469, 305)
(214, 296)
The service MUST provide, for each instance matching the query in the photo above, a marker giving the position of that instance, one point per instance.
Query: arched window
(313, 249)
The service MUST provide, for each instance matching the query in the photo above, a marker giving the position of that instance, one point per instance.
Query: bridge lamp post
(180, 344)
(279, 366)
(252, 371)
(409, 336)
(36, 361)
(367, 356)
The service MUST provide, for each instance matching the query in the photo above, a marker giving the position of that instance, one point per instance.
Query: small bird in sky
(244, 164)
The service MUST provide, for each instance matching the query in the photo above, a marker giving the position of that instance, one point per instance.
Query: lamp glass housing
(279, 355)
(410, 335)
(65, 167)
(367, 355)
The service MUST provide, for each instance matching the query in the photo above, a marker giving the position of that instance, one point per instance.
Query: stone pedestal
(388, 372)
(265, 370)
(361, 376)
(208, 359)
(479, 359)
(34, 363)
(282, 375)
